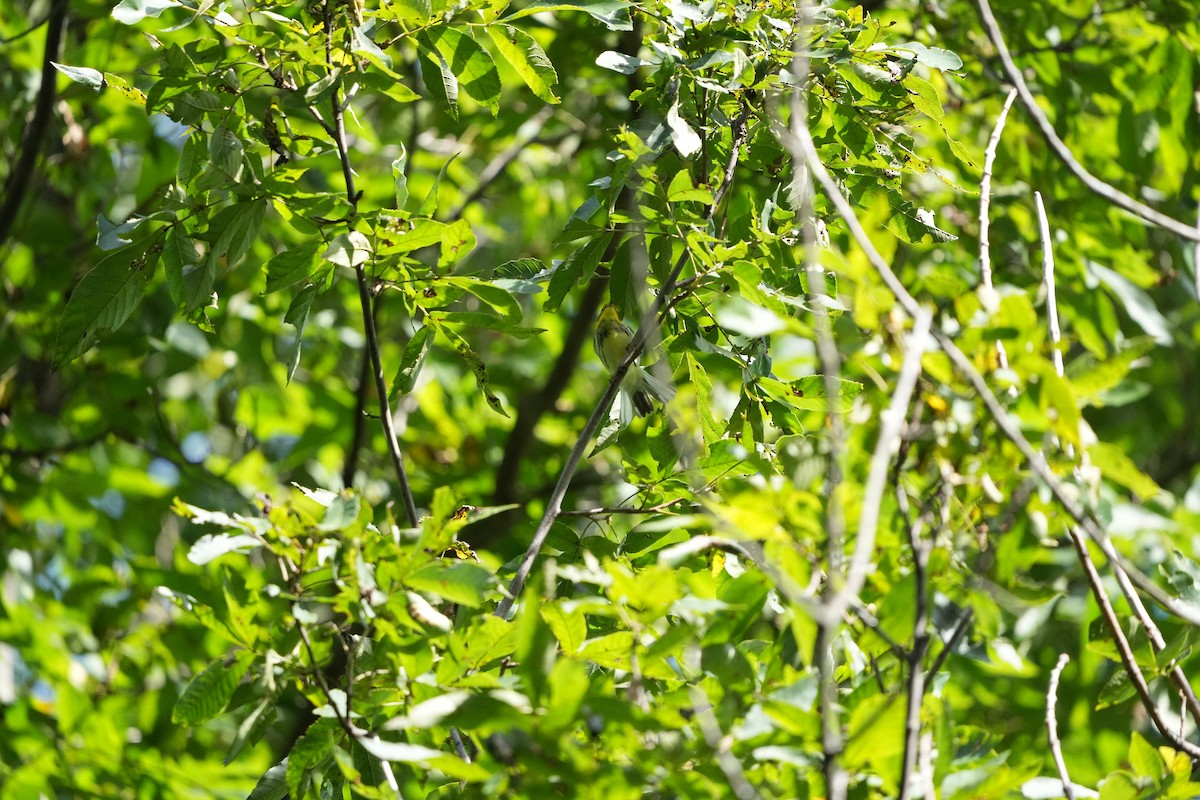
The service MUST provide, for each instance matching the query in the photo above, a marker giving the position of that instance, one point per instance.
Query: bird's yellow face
(612, 336)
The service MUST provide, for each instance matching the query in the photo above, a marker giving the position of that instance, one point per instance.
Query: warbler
(639, 386)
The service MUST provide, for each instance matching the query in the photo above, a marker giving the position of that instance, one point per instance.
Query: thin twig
(350, 466)
(609, 511)
(951, 644)
(987, 292)
(1048, 278)
(1052, 727)
(364, 297)
(529, 130)
(836, 780)
(1196, 260)
(1097, 186)
(916, 673)
(1128, 660)
(344, 719)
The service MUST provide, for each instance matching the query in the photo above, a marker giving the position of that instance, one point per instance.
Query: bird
(639, 387)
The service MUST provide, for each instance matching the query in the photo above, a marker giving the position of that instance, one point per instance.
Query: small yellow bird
(639, 386)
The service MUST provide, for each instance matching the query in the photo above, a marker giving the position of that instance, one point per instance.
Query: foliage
(828, 568)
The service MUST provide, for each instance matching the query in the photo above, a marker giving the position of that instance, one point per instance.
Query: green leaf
(348, 249)
(526, 57)
(297, 316)
(1120, 469)
(423, 233)
(438, 76)
(875, 733)
(314, 747)
(272, 785)
(105, 298)
(703, 386)
(179, 258)
(924, 97)
(809, 393)
(488, 639)
(568, 626)
(225, 154)
(579, 266)
(475, 319)
(415, 351)
(1139, 305)
(935, 57)
(682, 190)
(457, 241)
(131, 12)
(399, 179)
(478, 368)
(462, 582)
(1145, 759)
(470, 64)
(613, 13)
(85, 75)
(208, 693)
(237, 228)
(914, 225)
(292, 266)
(613, 650)
(429, 205)
(491, 294)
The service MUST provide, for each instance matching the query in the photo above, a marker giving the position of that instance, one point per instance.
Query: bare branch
(1127, 589)
(835, 524)
(1000, 416)
(1123, 649)
(1048, 277)
(1097, 186)
(1052, 727)
(890, 430)
(987, 291)
(916, 673)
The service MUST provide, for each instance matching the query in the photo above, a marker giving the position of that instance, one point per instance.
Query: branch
(1052, 727)
(1097, 186)
(948, 647)
(827, 352)
(987, 292)
(890, 430)
(343, 714)
(1127, 589)
(364, 297)
(916, 674)
(35, 131)
(726, 761)
(360, 410)
(1123, 649)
